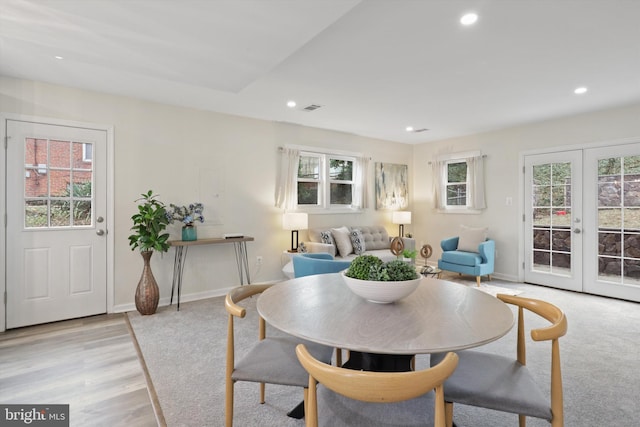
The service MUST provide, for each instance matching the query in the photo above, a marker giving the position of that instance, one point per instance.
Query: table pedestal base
(378, 362)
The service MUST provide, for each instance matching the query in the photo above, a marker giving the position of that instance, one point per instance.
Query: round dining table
(438, 316)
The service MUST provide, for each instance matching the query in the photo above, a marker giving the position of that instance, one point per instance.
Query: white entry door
(553, 219)
(56, 254)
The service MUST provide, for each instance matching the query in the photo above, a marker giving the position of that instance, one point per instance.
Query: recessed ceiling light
(291, 104)
(469, 19)
(580, 90)
(58, 57)
(409, 128)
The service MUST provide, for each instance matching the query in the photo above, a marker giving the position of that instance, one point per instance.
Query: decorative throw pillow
(343, 241)
(302, 248)
(471, 237)
(357, 241)
(327, 237)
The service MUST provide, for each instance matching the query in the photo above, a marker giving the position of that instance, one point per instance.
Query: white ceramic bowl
(381, 292)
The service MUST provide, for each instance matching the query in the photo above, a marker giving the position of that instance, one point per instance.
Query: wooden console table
(239, 243)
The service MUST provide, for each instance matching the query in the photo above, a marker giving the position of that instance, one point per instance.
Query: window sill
(460, 211)
(330, 211)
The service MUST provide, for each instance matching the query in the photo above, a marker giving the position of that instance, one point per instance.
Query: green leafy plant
(409, 253)
(363, 266)
(369, 267)
(149, 224)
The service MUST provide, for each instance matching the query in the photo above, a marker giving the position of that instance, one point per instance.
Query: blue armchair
(477, 264)
(307, 264)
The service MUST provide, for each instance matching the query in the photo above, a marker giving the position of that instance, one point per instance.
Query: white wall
(188, 155)
(503, 176)
(168, 149)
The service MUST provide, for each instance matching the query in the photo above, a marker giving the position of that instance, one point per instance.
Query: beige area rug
(495, 290)
(496, 286)
(185, 355)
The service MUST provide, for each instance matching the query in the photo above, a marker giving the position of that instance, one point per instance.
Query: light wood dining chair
(505, 384)
(376, 387)
(270, 360)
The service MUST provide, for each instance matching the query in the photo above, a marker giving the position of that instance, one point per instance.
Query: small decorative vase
(147, 292)
(189, 233)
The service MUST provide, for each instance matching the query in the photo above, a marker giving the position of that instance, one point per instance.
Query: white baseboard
(506, 277)
(122, 308)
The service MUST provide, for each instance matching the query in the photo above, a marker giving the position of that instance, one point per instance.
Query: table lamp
(295, 221)
(401, 218)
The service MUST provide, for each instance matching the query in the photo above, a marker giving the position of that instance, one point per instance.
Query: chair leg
(228, 412)
(261, 392)
(489, 277)
(478, 280)
(338, 357)
(448, 413)
(522, 420)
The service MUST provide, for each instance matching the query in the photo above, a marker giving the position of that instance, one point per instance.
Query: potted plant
(410, 254)
(148, 235)
(381, 282)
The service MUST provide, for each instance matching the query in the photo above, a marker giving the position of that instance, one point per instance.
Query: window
(87, 152)
(57, 185)
(325, 180)
(317, 181)
(459, 185)
(456, 184)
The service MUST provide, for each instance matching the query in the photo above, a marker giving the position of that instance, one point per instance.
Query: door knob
(100, 232)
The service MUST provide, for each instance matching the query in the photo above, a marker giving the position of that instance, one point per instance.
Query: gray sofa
(374, 239)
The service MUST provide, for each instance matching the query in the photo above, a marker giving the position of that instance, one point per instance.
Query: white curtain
(287, 185)
(475, 178)
(361, 190)
(439, 178)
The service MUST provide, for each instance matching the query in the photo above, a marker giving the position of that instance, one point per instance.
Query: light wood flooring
(91, 364)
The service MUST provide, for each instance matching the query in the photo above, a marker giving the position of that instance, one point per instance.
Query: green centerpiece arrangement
(369, 267)
(381, 282)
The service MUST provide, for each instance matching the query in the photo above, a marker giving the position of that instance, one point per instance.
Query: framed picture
(392, 186)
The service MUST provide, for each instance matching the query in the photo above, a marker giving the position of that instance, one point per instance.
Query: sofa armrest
(450, 244)
(409, 243)
(487, 250)
(316, 247)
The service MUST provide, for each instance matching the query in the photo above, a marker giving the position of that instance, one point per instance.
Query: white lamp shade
(295, 221)
(401, 217)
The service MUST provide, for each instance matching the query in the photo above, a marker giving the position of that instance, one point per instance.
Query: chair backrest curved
(375, 387)
(553, 332)
(498, 382)
(316, 263)
(234, 310)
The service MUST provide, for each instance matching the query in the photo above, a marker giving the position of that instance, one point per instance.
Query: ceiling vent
(311, 107)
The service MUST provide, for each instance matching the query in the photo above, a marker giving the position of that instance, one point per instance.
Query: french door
(56, 254)
(582, 220)
(613, 266)
(553, 219)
